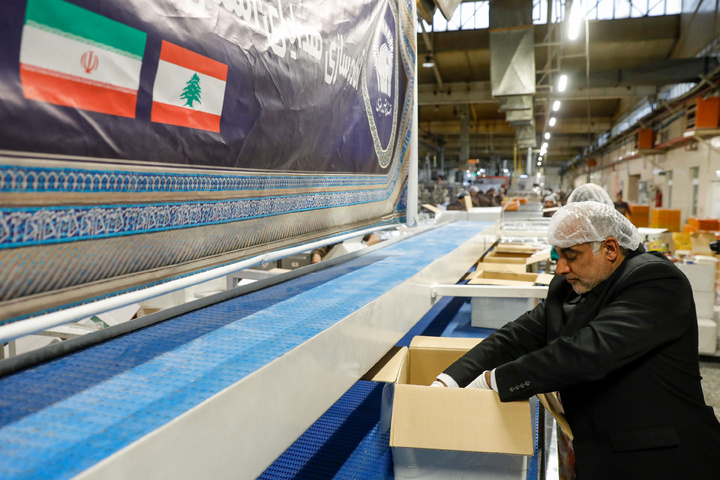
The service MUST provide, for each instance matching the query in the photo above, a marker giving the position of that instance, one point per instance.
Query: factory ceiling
(475, 101)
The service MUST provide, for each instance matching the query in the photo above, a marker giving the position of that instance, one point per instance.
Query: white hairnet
(584, 222)
(590, 192)
(474, 189)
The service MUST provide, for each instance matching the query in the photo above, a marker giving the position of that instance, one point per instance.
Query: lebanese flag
(189, 89)
(73, 57)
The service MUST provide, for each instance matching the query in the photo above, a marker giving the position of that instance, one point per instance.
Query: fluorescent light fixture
(562, 83)
(552, 121)
(428, 63)
(547, 135)
(545, 146)
(575, 20)
(717, 173)
(556, 105)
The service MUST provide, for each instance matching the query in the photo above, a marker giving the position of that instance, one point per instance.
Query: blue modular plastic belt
(60, 418)
(349, 441)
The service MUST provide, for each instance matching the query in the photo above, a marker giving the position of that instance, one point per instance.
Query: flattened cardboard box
(516, 262)
(485, 277)
(450, 432)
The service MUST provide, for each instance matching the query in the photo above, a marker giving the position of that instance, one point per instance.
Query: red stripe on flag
(61, 90)
(193, 61)
(184, 117)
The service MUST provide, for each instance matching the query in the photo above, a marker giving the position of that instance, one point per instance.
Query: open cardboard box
(448, 433)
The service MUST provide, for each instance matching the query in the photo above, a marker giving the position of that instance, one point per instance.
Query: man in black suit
(617, 338)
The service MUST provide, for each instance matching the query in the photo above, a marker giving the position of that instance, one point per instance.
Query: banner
(144, 140)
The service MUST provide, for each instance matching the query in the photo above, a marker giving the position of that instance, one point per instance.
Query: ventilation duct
(526, 136)
(515, 102)
(426, 10)
(519, 117)
(512, 48)
(447, 7)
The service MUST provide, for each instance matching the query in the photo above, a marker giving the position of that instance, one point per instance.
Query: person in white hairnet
(617, 337)
(590, 192)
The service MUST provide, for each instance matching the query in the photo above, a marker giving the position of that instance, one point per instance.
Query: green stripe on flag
(76, 21)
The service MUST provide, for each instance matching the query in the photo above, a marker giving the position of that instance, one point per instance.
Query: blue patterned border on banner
(38, 179)
(36, 226)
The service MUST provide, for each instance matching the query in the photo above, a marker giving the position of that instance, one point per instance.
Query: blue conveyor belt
(62, 417)
(349, 442)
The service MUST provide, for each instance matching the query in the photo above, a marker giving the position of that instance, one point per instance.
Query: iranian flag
(189, 89)
(73, 57)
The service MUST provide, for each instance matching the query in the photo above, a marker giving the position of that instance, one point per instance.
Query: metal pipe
(32, 325)
(411, 216)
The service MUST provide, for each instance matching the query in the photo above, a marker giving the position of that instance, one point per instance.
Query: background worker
(617, 337)
(475, 196)
(590, 192)
(621, 206)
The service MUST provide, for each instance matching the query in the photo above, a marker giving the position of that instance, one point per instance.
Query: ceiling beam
(458, 93)
(501, 127)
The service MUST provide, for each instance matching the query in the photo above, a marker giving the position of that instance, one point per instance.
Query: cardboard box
(707, 336)
(495, 312)
(451, 433)
(515, 262)
(701, 276)
(698, 224)
(640, 215)
(700, 243)
(265, 266)
(704, 304)
(490, 277)
(295, 261)
(665, 218)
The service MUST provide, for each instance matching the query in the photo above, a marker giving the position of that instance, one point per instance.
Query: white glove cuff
(448, 380)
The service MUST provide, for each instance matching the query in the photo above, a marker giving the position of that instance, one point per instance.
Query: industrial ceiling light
(556, 105)
(428, 63)
(545, 146)
(547, 135)
(552, 121)
(575, 20)
(562, 83)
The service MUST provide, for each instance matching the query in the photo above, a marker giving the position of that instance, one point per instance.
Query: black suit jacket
(625, 361)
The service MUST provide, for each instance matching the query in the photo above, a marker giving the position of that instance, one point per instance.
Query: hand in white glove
(481, 381)
(445, 380)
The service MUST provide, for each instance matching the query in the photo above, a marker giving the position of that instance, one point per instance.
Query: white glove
(445, 380)
(481, 383)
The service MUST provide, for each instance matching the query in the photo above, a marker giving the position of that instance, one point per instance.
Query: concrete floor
(710, 372)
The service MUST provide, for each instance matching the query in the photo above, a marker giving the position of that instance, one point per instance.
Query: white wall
(614, 174)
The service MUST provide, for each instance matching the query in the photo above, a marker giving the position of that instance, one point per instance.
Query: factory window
(476, 15)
